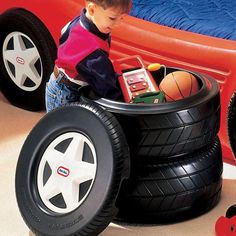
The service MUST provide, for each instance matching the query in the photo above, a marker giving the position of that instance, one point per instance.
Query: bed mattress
(208, 17)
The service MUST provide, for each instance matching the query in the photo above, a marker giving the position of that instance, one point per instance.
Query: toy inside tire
(172, 191)
(170, 129)
(70, 170)
(27, 57)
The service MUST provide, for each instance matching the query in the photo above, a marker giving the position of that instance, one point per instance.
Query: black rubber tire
(172, 191)
(170, 129)
(19, 20)
(98, 208)
(231, 121)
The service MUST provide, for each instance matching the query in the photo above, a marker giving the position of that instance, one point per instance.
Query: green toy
(150, 97)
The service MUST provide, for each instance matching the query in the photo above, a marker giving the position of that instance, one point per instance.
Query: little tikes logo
(63, 171)
(20, 60)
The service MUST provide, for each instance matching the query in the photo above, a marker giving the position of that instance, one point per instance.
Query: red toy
(178, 85)
(137, 79)
(226, 226)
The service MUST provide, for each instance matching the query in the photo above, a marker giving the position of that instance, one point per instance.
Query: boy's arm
(97, 70)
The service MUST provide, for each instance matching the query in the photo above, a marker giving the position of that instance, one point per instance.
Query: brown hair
(124, 5)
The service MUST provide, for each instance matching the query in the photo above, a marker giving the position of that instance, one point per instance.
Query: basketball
(178, 85)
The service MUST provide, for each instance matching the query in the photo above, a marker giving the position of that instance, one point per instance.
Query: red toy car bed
(39, 23)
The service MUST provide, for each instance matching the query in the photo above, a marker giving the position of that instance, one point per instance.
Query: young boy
(83, 54)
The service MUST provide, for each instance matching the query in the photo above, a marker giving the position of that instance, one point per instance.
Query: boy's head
(106, 14)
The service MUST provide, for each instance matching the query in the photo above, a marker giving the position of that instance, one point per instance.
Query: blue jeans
(58, 94)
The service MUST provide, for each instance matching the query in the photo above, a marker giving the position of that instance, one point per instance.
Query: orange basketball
(178, 85)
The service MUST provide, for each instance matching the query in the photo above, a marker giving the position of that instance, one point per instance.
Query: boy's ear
(91, 8)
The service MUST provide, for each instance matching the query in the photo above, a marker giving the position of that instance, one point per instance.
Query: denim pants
(58, 94)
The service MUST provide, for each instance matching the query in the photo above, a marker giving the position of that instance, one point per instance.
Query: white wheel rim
(22, 61)
(66, 172)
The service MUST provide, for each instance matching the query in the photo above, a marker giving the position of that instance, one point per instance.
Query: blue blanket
(209, 17)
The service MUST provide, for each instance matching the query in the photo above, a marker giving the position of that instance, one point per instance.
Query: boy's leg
(58, 94)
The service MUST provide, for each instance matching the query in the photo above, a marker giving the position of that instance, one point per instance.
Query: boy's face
(104, 19)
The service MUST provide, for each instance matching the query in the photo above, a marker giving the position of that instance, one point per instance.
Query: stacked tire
(164, 192)
(176, 157)
(90, 162)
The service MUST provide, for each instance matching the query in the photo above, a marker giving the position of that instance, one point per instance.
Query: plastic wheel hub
(22, 61)
(66, 172)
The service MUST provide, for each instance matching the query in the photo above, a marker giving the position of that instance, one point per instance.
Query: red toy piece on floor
(226, 226)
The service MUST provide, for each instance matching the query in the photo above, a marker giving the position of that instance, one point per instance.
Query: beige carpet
(16, 123)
